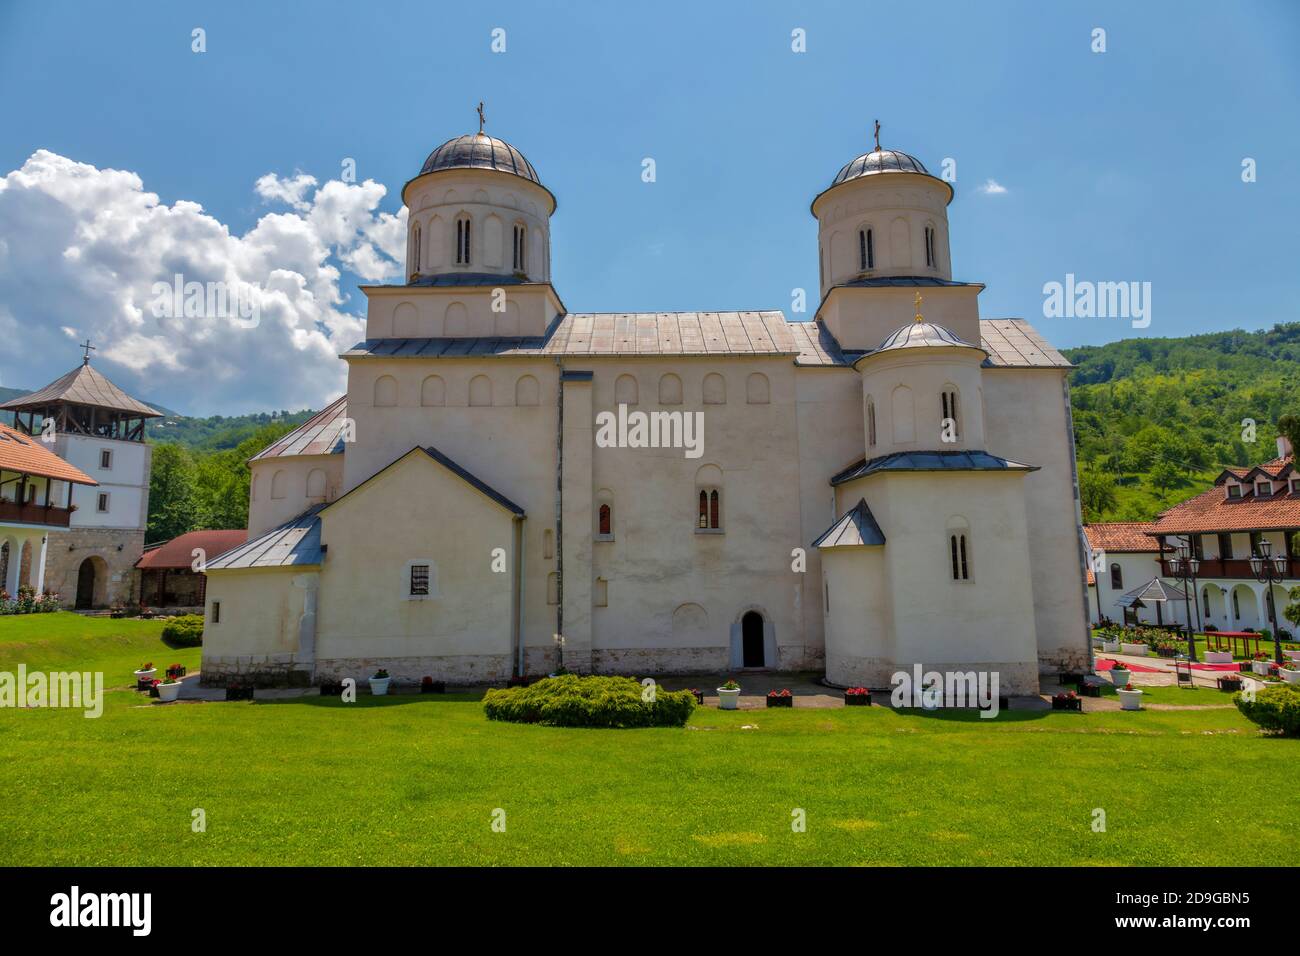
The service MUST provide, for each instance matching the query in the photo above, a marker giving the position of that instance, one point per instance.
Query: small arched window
(929, 246)
(316, 483)
(625, 390)
(710, 518)
(670, 390)
(385, 391)
(871, 422)
(715, 389)
(606, 524)
(415, 249)
(957, 547)
(527, 391)
(521, 234)
(462, 240)
(279, 484)
(757, 389)
(433, 392)
(1116, 577)
(866, 250)
(949, 401)
(480, 390)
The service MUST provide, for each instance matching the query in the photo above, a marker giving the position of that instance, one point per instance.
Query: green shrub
(184, 631)
(572, 701)
(1275, 708)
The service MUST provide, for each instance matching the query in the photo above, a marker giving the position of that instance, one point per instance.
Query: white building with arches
(889, 484)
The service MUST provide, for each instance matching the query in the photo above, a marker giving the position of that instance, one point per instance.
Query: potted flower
(379, 683)
(1067, 701)
(153, 687)
(698, 694)
(1130, 698)
(144, 674)
(176, 671)
(780, 699)
(1119, 674)
(170, 689)
(146, 612)
(1229, 682)
(1260, 664)
(1109, 644)
(1137, 649)
(430, 686)
(857, 697)
(729, 695)
(1289, 674)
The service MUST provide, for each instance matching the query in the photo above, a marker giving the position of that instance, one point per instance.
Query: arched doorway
(86, 585)
(751, 636)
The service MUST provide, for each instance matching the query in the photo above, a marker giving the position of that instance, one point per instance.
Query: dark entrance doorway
(86, 584)
(751, 636)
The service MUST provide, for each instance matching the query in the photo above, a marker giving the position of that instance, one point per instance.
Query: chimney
(1283, 446)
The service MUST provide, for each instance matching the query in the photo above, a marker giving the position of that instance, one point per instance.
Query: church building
(508, 486)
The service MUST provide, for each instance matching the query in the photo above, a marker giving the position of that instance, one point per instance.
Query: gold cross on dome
(877, 136)
(917, 300)
(481, 120)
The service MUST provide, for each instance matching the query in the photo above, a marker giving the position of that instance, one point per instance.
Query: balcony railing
(1229, 568)
(32, 513)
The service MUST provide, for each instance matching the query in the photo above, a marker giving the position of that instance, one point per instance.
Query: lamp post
(1186, 564)
(1269, 568)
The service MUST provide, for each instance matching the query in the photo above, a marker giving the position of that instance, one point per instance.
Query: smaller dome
(921, 335)
(480, 151)
(880, 161)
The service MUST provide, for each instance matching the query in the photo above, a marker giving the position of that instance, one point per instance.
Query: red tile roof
(1119, 536)
(25, 455)
(178, 553)
(1213, 510)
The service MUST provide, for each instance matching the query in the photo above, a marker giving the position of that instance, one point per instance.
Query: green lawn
(411, 780)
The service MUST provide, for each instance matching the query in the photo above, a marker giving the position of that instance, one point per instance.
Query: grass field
(415, 780)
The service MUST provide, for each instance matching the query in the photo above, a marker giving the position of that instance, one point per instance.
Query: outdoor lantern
(1256, 564)
(1279, 562)
(1182, 552)
(1195, 565)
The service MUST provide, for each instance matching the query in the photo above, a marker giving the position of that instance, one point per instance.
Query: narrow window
(713, 509)
(216, 612)
(965, 571)
(103, 501)
(604, 520)
(866, 251)
(1116, 577)
(957, 552)
(704, 509)
(415, 249)
(106, 458)
(520, 233)
(949, 399)
(1234, 491)
(1236, 606)
(929, 246)
(462, 241)
(952, 548)
(871, 251)
(871, 423)
(419, 579)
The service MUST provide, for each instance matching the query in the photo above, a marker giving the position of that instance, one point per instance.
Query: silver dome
(880, 161)
(480, 151)
(920, 335)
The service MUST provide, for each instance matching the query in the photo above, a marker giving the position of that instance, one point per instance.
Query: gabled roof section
(1213, 511)
(1014, 343)
(1121, 536)
(857, 528)
(25, 455)
(295, 543)
(469, 478)
(82, 386)
(1153, 592)
(322, 434)
(931, 461)
(178, 553)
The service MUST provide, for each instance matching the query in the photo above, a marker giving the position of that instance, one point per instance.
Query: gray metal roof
(471, 278)
(857, 528)
(480, 151)
(82, 386)
(293, 544)
(884, 282)
(922, 335)
(1014, 343)
(462, 473)
(1155, 591)
(880, 161)
(612, 334)
(930, 461)
(321, 434)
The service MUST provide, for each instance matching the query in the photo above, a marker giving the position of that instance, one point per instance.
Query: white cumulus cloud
(992, 187)
(83, 249)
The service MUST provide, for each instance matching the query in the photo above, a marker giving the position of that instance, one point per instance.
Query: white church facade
(892, 483)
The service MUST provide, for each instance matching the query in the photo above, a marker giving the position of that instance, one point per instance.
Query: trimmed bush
(1275, 708)
(573, 701)
(184, 631)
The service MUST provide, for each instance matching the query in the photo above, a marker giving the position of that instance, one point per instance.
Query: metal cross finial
(89, 348)
(481, 120)
(917, 300)
(877, 136)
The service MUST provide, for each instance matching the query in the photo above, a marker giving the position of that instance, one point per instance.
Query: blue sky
(1124, 165)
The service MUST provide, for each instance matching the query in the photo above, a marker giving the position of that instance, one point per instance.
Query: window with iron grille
(419, 579)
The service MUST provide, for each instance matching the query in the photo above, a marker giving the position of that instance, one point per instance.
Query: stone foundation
(646, 661)
(1070, 660)
(264, 671)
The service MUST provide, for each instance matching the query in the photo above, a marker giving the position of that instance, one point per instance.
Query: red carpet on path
(1107, 664)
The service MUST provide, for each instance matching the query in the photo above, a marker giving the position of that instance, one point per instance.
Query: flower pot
(379, 686)
(728, 699)
(437, 687)
(142, 678)
(1290, 676)
(169, 692)
(1229, 683)
(1137, 650)
(1130, 699)
(1110, 647)
(1260, 667)
(1119, 676)
(857, 700)
(1218, 657)
(780, 701)
(1067, 703)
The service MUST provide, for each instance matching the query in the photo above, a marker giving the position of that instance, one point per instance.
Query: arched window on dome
(871, 422)
(521, 234)
(949, 400)
(929, 246)
(415, 250)
(866, 250)
(462, 240)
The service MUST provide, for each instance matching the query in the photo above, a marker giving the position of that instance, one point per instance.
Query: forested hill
(1156, 419)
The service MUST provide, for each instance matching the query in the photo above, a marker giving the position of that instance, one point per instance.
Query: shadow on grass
(369, 700)
(968, 715)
